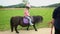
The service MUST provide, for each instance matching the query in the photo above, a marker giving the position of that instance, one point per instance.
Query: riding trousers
(30, 20)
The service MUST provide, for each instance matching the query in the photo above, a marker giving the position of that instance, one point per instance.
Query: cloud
(43, 2)
(10, 2)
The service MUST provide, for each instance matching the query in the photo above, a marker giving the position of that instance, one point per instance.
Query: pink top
(26, 13)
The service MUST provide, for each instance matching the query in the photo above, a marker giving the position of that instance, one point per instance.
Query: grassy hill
(21, 5)
(54, 5)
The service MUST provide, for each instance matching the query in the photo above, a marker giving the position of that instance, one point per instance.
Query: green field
(6, 14)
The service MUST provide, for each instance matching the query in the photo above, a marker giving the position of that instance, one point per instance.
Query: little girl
(27, 14)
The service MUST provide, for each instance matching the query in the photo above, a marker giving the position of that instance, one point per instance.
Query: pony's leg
(35, 28)
(11, 28)
(16, 29)
(11, 25)
(28, 27)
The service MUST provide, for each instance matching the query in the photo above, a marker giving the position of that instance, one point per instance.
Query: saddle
(26, 20)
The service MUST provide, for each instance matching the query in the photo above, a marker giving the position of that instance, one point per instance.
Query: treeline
(21, 5)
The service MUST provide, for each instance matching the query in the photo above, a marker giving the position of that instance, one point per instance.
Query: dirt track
(40, 31)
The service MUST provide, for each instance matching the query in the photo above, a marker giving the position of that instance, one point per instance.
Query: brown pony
(18, 20)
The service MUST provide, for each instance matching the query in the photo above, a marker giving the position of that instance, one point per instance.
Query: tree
(1, 6)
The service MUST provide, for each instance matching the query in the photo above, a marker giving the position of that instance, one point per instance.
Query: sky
(32, 2)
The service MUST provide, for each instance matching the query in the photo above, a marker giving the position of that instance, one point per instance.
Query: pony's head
(37, 19)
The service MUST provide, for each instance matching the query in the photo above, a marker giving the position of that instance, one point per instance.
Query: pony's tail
(41, 18)
(11, 24)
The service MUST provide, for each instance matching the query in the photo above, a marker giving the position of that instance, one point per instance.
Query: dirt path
(40, 31)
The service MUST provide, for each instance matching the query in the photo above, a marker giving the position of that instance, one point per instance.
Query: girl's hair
(27, 7)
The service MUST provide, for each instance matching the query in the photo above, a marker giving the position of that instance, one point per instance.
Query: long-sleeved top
(56, 13)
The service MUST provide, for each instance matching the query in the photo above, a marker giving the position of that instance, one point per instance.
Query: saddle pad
(25, 20)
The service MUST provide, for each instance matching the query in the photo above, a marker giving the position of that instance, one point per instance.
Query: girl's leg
(30, 21)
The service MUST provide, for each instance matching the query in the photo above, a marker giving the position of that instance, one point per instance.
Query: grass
(6, 14)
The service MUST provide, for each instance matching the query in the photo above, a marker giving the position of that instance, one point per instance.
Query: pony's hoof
(27, 30)
(35, 30)
(11, 31)
(17, 32)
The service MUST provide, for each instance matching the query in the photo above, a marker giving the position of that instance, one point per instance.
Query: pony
(18, 20)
